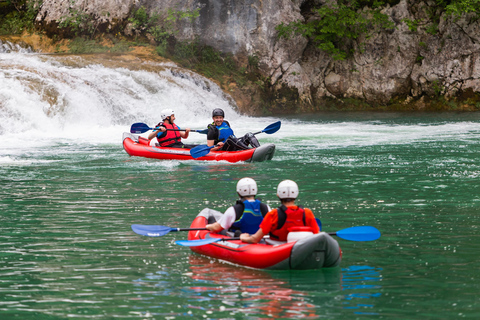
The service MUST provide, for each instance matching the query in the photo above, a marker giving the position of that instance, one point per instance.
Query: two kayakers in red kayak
(219, 133)
(253, 219)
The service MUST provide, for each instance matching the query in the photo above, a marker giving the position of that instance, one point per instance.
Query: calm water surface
(70, 193)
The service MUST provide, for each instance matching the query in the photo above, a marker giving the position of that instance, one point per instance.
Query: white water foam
(44, 99)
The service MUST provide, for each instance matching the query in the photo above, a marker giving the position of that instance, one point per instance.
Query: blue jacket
(250, 218)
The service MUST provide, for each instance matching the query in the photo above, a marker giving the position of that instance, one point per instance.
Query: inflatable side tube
(263, 153)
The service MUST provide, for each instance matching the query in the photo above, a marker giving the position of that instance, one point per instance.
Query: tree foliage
(17, 16)
(78, 21)
(334, 25)
(459, 7)
(160, 25)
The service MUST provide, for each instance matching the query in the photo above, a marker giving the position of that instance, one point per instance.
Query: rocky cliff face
(395, 64)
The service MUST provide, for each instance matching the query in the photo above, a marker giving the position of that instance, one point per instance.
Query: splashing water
(85, 98)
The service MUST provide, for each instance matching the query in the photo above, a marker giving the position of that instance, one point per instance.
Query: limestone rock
(394, 63)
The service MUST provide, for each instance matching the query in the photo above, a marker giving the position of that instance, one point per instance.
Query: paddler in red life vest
(288, 215)
(246, 214)
(220, 134)
(167, 132)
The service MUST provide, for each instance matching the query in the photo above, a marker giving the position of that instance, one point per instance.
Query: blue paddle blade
(363, 233)
(200, 151)
(274, 127)
(151, 230)
(196, 243)
(139, 128)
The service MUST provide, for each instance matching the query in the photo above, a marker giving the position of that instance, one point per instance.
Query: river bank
(250, 91)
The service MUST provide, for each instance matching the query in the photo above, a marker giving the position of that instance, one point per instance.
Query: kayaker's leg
(190, 146)
(233, 144)
(250, 139)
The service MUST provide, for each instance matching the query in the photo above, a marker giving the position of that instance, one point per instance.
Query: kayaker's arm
(154, 133)
(254, 238)
(185, 134)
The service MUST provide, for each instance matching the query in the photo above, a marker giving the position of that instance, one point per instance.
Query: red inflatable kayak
(140, 147)
(314, 252)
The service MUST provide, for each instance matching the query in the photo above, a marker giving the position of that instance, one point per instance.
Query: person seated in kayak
(246, 214)
(168, 133)
(221, 135)
(278, 221)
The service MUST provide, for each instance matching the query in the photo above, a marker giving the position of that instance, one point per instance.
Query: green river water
(69, 194)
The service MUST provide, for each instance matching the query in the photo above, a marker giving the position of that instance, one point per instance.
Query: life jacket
(224, 131)
(248, 215)
(287, 218)
(171, 137)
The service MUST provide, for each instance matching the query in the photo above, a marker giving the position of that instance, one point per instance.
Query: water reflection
(361, 283)
(258, 293)
(214, 289)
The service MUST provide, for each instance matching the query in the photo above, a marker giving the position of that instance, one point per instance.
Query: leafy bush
(335, 25)
(18, 16)
(80, 22)
(162, 25)
(459, 7)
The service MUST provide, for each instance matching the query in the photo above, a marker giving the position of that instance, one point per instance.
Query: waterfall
(96, 97)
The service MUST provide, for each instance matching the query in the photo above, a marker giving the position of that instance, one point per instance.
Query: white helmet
(166, 113)
(287, 189)
(246, 187)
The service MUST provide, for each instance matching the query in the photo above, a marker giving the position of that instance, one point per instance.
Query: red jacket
(171, 137)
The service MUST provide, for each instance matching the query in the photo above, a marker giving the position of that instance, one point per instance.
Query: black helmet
(218, 112)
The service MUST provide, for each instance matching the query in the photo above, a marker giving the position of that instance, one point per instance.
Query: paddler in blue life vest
(168, 133)
(278, 221)
(221, 135)
(246, 214)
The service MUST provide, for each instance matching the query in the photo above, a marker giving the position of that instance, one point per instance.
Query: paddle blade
(363, 233)
(151, 230)
(204, 131)
(274, 127)
(200, 151)
(196, 243)
(139, 128)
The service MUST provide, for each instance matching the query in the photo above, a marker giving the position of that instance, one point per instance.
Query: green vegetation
(82, 45)
(17, 16)
(459, 7)
(211, 63)
(336, 25)
(79, 22)
(333, 27)
(161, 26)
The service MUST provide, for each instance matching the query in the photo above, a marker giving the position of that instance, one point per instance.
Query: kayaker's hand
(245, 237)
(187, 130)
(218, 146)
